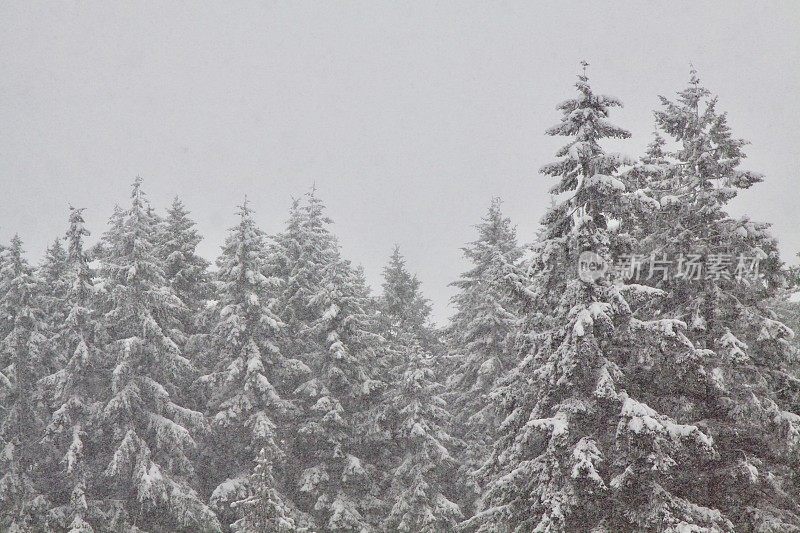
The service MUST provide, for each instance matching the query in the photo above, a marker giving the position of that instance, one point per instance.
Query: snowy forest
(144, 388)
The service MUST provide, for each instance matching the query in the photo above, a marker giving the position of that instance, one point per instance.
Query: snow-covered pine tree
(23, 508)
(406, 325)
(265, 508)
(404, 311)
(106, 246)
(304, 247)
(647, 175)
(294, 257)
(336, 480)
(752, 409)
(5, 327)
(481, 335)
(54, 285)
(583, 446)
(787, 306)
(646, 179)
(53, 272)
(148, 435)
(252, 380)
(421, 492)
(185, 271)
(75, 391)
(284, 249)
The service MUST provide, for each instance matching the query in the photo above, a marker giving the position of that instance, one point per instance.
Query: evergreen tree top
(585, 170)
(244, 235)
(694, 92)
(246, 293)
(130, 259)
(496, 235)
(54, 263)
(655, 152)
(402, 302)
(293, 225)
(708, 152)
(16, 253)
(177, 209)
(315, 210)
(137, 194)
(179, 225)
(75, 234)
(17, 283)
(585, 120)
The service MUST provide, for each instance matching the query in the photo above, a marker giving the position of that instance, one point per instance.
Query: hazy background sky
(409, 116)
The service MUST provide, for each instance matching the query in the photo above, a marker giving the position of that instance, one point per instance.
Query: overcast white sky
(409, 116)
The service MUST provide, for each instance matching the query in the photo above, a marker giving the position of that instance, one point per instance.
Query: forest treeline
(143, 390)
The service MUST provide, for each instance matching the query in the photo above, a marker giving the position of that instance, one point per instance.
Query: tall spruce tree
(585, 444)
(337, 476)
(418, 464)
(76, 395)
(148, 435)
(285, 247)
(481, 335)
(329, 301)
(252, 381)
(405, 312)
(306, 246)
(265, 508)
(291, 259)
(5, 326)
(22, 505)
(421, 491)
(53, 273)
(751, 406)
(185, 271)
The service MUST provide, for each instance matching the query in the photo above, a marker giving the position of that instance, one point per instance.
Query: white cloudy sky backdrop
(408, 116)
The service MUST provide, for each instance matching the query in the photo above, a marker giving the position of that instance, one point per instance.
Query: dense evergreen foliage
(143, 389)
